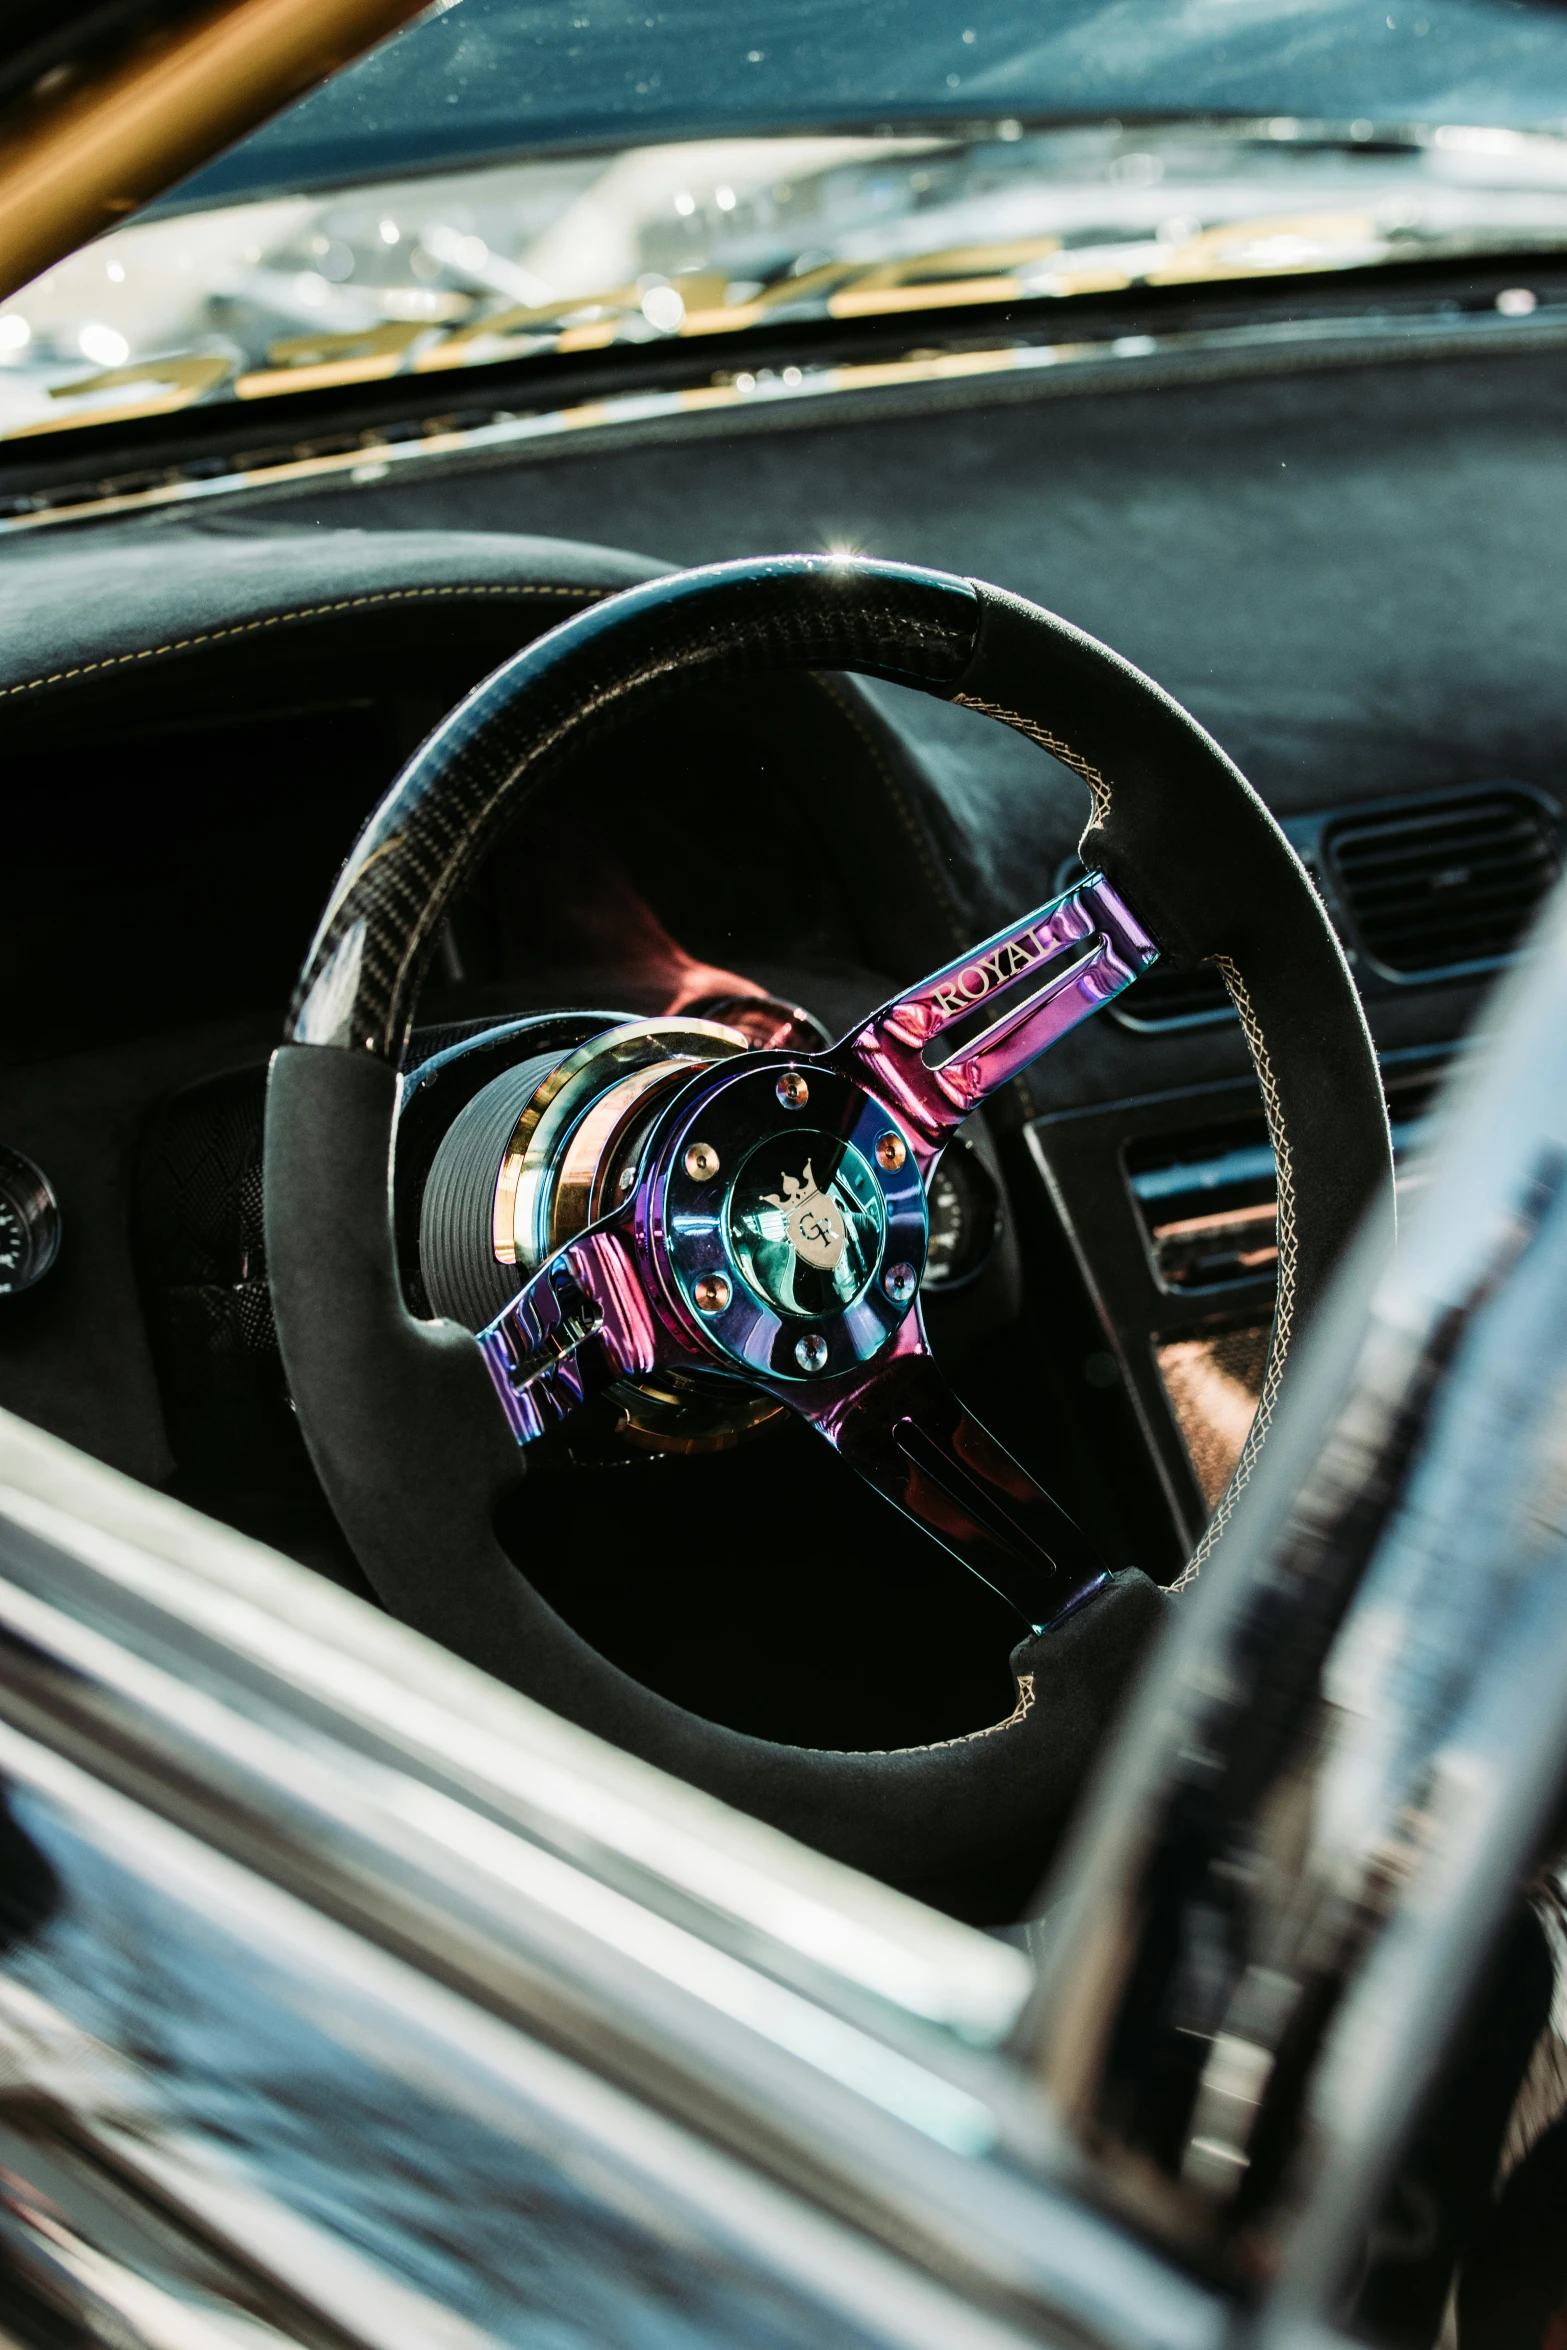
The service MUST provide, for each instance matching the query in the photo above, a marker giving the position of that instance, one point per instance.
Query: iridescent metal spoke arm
(904, 1430)
(938, 1052)
(663, 1282)
(581, 1323)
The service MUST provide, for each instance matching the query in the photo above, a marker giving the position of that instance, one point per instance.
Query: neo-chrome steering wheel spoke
(901, 1427)
(935, 1054)
(584, 1320)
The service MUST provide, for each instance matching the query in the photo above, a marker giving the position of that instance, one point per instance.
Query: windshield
(485, 78)
(509, 182)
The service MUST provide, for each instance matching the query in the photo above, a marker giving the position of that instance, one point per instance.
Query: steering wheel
(758, 1217)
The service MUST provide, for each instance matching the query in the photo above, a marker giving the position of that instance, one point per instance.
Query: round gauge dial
(29, 1223)
(965, 1219)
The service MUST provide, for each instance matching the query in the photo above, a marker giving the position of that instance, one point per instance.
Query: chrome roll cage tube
(1352, 1755)
(774, 1230)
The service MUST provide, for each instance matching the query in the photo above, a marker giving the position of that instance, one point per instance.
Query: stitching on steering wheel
(1099, 790)
(213, 636)
(1284, 1310)
(1257, 1044)
(1020, 1713)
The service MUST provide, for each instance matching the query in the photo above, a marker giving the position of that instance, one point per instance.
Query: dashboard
(1355, 577)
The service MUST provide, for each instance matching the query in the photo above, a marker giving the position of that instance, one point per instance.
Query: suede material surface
(413, 1452)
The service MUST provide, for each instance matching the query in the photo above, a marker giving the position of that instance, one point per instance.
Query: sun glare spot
(104, 345)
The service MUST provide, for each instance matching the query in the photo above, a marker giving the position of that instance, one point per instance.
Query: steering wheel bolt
(793, 1091)
(900, 1283)
(710, 1295)
(810, 1352)
(701, 1162)
(891, 1151)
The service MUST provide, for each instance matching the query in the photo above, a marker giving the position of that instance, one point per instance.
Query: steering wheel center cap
(806, 1223)
(799, 1254)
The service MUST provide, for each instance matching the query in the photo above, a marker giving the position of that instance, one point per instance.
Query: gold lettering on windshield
(302, 363)
(938, 281)
(169, 383)
(849, 289)
(574, 322)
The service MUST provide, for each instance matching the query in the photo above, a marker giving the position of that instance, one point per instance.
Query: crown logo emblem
(811, 1220)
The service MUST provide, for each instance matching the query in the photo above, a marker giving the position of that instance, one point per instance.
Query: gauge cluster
(29, 1222)
(965, 1220)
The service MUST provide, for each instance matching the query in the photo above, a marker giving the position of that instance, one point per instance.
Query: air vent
(1448, 885)
(1207, 1198)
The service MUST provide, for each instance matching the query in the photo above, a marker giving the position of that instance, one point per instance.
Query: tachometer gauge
(29, 1223)
(965, 1219)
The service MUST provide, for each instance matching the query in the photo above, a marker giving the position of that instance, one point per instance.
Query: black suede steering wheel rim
(400, 1416)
